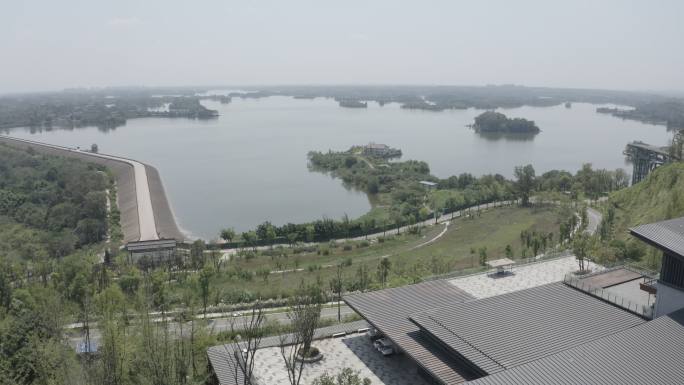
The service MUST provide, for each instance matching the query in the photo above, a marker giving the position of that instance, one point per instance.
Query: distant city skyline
(621, 45)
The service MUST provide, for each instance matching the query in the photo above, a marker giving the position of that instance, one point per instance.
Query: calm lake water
(250, 164)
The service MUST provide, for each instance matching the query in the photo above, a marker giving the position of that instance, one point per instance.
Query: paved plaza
(522, 277)
(355, 352)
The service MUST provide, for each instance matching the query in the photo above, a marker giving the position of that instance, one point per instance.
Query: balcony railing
(606, 295)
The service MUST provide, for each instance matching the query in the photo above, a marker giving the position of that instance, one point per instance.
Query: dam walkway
(145, 211)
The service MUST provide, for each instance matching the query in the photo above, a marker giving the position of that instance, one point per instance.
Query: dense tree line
(106, 109)
(400, 182)
(669, 112)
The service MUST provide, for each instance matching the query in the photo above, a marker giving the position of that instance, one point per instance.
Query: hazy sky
(53, 44)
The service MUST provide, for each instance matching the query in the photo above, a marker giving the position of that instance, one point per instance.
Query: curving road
(594, 218)
(147, 226)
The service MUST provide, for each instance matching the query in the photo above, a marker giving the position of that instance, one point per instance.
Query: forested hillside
(658, 197)
(52, 210)
(49, 206)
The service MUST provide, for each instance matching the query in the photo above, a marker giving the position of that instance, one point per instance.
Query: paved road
(148, 228)
(223, 324)
(593, 220)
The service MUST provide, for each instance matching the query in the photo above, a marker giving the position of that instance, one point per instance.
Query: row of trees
(408, 203)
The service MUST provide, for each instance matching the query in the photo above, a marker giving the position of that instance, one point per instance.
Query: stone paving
(355, 352)
(522, 277)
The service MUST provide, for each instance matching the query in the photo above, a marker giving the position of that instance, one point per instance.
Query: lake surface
(250, 164)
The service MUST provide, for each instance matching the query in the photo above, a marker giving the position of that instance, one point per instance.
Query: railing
(610, 297)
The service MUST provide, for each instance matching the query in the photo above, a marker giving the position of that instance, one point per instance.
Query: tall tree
(525, 179)
(228, 234)
(204, 288)
(336, 286)
(580, 247)
(383, 270)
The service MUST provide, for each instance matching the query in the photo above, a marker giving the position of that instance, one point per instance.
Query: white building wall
(668, 300)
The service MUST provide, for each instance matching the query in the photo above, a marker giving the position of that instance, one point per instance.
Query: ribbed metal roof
(667, 235)
(223, 362)
(151, 245)
(388, 310)
(651, 353)
(505, 331)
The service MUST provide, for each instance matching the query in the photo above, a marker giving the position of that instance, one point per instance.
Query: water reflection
(507, 136)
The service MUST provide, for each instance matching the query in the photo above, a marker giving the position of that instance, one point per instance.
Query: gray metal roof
(649, 147)
(151, 245)
(666, 235)
(505, 331)
(651, 353)
(224, 364)
(387, 310)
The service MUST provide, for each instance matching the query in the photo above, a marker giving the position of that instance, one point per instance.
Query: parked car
(383, 343)
(386, 351)
(373, 334)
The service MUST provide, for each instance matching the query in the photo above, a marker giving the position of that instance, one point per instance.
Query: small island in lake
(496, 122)
(352, 103)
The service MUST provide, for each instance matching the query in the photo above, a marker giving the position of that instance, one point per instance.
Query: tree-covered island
(496, 122)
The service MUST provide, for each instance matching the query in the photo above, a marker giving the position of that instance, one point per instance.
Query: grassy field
(411, 258)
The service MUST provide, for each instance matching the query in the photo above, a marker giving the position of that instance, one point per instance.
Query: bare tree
(304, 314)
(244, 349)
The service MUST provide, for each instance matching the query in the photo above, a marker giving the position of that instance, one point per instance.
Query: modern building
(577, 331)
(152, 251)
(560, 333)
(376, 149)
(667, 236)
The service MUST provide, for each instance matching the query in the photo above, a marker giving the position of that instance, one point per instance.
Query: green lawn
(494, 230)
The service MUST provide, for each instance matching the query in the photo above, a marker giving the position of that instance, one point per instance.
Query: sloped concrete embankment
(127, 200)
(164, 218)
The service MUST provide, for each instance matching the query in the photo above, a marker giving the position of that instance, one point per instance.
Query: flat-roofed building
(153, 251)
(667, 236)
(376, 149)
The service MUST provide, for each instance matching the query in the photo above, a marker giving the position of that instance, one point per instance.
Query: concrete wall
(163, 214)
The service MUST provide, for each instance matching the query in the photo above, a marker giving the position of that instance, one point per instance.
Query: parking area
(356, 352)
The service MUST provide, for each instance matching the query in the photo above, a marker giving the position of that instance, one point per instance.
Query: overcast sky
(53, 44)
